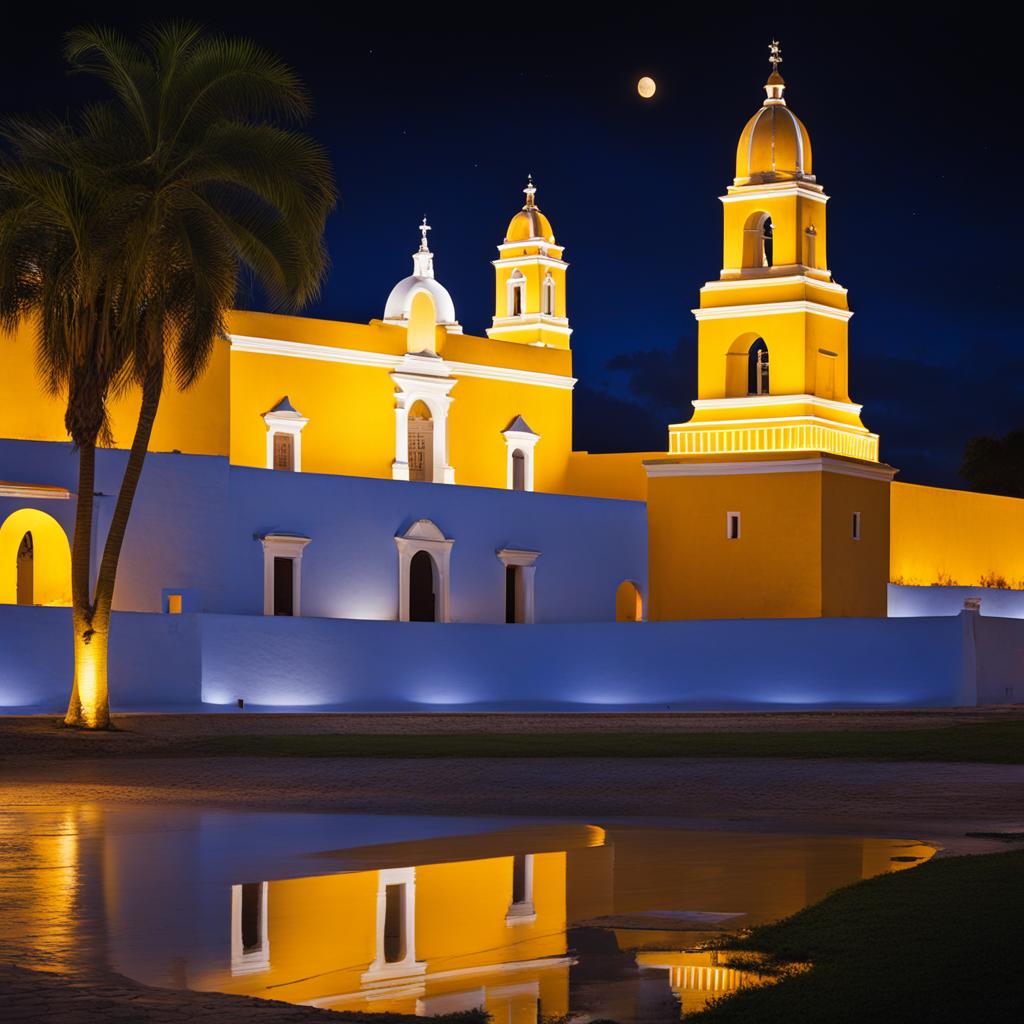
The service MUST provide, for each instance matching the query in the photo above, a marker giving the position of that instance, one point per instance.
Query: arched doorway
(758, 239)
(422, 591)
(35, 560)
(26, 571)
(421, 443)
(629, 604)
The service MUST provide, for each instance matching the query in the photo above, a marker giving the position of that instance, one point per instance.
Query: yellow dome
(774, 145)
(529, 223)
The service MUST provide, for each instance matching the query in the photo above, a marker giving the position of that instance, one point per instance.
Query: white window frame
(285, 422)
(729, 516)
(523, 911)
(282, 545)
(256, 960)
(425, 535)
(517, 279)
(425, 378)
(526, 562)
(525, 441)
(380, 970)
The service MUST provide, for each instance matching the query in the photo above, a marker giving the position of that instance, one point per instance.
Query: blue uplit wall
(181, 661)
(196, 523)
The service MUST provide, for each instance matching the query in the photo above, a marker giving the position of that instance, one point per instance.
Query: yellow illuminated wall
(955, 538)
(795, 555)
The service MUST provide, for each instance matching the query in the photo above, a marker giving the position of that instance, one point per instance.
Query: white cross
(775, 51)
(424, 228)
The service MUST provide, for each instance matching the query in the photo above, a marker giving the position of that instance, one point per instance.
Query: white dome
(399, 303)
(400, 300)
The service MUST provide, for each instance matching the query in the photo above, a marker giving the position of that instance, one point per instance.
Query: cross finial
(774, 54)
(529, 190)
(424, 228)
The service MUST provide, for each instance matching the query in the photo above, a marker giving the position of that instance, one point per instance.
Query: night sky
(916, 135)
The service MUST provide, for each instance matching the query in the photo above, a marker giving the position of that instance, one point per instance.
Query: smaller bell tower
(529, 297)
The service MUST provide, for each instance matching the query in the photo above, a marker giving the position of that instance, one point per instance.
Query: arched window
(811, 250)
(26, 571)
(757, 241)
(518, 470)
(766, 243)
(516, 294)
(422, 595)
(421, 443)
(757, 369)
(629, 604)
(549, 295)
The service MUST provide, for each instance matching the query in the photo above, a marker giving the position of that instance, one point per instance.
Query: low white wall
(918, 601)
(180, 661)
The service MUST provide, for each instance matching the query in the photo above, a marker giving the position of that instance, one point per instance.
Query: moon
(646, 87)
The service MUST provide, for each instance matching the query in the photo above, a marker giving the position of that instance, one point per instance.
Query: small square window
(174, 604)
(855, 526)
(732, 525)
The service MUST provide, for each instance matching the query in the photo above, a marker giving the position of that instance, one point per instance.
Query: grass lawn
(940, 942)
(991, 742)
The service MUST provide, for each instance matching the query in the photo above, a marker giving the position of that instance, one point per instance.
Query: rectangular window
(520, 894)
(252, 917)
(174, 604)
(732, 525)
(284, 586)
(394, 923)
(284, 452)
(856, 526)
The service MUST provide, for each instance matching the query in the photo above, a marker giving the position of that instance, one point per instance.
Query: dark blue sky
(916, 136)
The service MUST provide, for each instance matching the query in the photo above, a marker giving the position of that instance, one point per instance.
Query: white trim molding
(357, 357)
(282, 545)
(522, 911)
(382, 971)
(425, 535)
(760, 401)
(786, 281)
(774, 190)
(819, 464)
(256, 960)
(519, 437)
(33, 491)
(526, 562)
(771, 309)
(423, 377)
(284, 418)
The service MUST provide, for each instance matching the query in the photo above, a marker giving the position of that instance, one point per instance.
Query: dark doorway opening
(284, 586)
(422, 599)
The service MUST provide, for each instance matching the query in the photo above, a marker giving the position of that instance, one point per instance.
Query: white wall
(913, 601)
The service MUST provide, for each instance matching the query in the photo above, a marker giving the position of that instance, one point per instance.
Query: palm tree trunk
(92, 635)
(88, 707)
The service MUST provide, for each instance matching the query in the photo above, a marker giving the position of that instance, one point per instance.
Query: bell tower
(773, 359)
(529, 296)
(771, 502)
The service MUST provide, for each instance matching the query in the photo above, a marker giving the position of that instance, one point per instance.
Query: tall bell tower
(772, 501)
(773, 358)
(529, 297)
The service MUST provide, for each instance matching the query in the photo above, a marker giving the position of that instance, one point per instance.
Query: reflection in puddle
(527, 920)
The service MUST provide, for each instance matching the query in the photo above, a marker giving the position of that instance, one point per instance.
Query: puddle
(531, 920)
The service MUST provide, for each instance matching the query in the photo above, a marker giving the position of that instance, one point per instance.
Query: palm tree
(58, 263)
(197, 161)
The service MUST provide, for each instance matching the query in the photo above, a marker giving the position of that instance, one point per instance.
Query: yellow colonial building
(407, 469)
